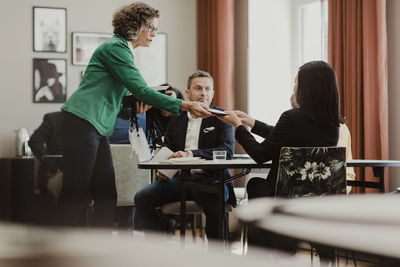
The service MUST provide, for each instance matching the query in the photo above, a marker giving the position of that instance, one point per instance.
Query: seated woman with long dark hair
(163, 115)
(314, 123)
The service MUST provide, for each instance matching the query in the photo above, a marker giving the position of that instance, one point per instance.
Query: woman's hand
(142, 108)
(245, 119)
(230, 118)
(197, 109)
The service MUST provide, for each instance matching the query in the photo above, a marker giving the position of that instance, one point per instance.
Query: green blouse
(110, 75)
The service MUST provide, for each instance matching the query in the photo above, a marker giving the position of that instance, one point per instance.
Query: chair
(241, 194)
(129, 179)
(311, 171)
(192, 209)
(242, 199)
(54, 183)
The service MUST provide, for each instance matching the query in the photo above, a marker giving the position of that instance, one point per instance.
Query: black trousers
(166, 191)
(88, 174)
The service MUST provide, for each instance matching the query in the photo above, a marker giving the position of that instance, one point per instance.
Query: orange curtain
(358, 52)
(215, 47)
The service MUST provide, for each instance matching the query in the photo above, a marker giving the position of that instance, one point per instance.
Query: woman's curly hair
(128, 20)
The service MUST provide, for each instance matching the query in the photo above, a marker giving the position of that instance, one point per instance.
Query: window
(283, 35)
(312, 28)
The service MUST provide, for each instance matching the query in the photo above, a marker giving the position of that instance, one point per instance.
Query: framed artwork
(84, 44)
(152, 61)
(49, 80)
(49, 29)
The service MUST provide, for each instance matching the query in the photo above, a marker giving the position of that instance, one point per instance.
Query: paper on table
(139, 144)
(163, 154)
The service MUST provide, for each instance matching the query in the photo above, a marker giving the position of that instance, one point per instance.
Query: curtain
(358, 52)
(215, 47)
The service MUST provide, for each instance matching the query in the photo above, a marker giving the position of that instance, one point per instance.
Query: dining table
(246, 164)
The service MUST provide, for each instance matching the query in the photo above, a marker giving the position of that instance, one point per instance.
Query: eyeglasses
(151, 28)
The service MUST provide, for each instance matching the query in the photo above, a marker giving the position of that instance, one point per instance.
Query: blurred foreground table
(21, 245)
(369, 224)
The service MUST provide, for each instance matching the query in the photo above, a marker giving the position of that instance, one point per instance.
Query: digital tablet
(218, 112)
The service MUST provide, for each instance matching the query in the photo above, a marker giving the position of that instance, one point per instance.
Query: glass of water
(219, 155)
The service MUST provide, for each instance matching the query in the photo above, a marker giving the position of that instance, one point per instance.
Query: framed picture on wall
(49, 29)
(49, 80)
(152, 61)
(84, 44)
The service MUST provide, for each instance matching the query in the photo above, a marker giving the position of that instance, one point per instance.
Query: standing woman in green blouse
(91, 112)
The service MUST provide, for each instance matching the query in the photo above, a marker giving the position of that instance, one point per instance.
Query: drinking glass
(219, 155)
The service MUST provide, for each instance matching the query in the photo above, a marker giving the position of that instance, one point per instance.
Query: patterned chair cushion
(311, 171)
(129, 179)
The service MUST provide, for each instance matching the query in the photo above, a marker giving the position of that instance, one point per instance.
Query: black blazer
(294, 129)
(215, 135)
(46, 140)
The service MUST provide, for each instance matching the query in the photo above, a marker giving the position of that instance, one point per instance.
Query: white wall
(178, 20)
(393, 22)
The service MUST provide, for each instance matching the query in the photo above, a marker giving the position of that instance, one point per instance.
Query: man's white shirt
(192, 134)
(192, 137)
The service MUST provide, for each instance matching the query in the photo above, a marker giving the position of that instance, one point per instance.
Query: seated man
(189, 136)
(45, 140)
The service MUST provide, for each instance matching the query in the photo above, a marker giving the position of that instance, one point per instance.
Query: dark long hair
(177, 92)
(317, 93)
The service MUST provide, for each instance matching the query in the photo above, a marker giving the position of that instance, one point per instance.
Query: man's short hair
(197, 74)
